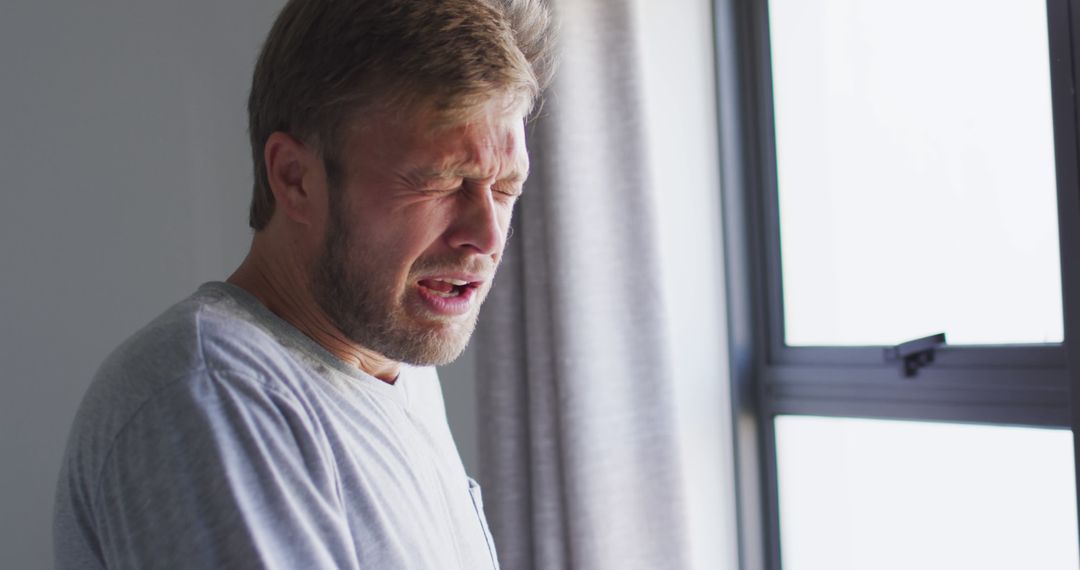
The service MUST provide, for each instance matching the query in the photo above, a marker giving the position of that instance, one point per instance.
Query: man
(289, 417)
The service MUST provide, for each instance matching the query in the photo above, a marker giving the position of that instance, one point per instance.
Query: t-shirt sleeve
(220, 470)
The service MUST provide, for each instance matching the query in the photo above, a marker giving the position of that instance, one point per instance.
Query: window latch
(914, 354)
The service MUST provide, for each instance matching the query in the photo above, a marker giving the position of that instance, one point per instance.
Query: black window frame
(1025, 385)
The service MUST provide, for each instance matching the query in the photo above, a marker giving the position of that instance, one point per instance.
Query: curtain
(577, 438)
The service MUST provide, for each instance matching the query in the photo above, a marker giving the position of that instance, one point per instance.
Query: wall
(124, 181)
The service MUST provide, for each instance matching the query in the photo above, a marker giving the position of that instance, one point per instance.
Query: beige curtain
(577, 429)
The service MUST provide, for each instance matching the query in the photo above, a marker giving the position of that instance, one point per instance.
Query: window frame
(1025, 385)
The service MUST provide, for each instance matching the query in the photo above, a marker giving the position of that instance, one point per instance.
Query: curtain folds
(578, 440)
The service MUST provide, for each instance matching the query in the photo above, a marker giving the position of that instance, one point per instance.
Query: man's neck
(288, 295)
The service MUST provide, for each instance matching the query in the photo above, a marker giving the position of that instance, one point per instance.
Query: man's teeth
(445, 287)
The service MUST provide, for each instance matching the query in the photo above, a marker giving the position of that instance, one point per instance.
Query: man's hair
(326, 61)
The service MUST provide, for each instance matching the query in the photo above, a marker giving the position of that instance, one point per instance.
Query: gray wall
(124, 181)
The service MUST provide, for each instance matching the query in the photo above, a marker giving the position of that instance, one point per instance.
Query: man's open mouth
(447, 288)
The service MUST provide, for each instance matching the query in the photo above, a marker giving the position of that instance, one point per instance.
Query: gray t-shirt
(219, 436)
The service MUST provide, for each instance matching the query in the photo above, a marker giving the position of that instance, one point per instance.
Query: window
(893, 171)
(896, 495)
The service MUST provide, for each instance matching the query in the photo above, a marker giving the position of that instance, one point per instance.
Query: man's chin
(430, 346)
(439, 342)
(429, 355)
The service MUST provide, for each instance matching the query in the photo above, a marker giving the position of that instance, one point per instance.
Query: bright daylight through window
(893, 495)
(916, 171)
(916, 193)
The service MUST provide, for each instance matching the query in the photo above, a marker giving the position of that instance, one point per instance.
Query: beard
(360, 297)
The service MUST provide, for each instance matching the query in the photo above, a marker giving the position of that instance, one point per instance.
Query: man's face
(416, 230)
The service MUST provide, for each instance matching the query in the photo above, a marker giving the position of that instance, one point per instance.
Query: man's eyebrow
(464, 171)
(515, 177)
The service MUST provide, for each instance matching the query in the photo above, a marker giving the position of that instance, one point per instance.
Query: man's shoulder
(210, 333)
(165, 387)
(210, 330)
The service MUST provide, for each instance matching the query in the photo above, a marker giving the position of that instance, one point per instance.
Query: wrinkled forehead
(489, 147)
(486, 143)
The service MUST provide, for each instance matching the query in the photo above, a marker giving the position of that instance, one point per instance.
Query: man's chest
(406, 496)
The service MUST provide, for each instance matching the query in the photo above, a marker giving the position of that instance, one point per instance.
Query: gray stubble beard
(367, 313)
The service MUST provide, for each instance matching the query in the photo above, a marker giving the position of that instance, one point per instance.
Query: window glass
(893, 495)
(916, 171)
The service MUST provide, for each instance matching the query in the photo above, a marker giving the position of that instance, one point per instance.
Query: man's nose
(477, 225)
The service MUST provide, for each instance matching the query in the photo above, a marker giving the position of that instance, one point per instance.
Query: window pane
(916, 171)
(857, 494)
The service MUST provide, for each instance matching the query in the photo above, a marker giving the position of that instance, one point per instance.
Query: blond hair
(327, 60)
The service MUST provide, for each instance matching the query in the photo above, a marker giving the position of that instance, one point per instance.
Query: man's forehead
(478, 160)
(480, 149)
(487, 143)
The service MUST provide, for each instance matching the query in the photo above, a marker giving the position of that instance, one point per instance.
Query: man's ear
(296, 177)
